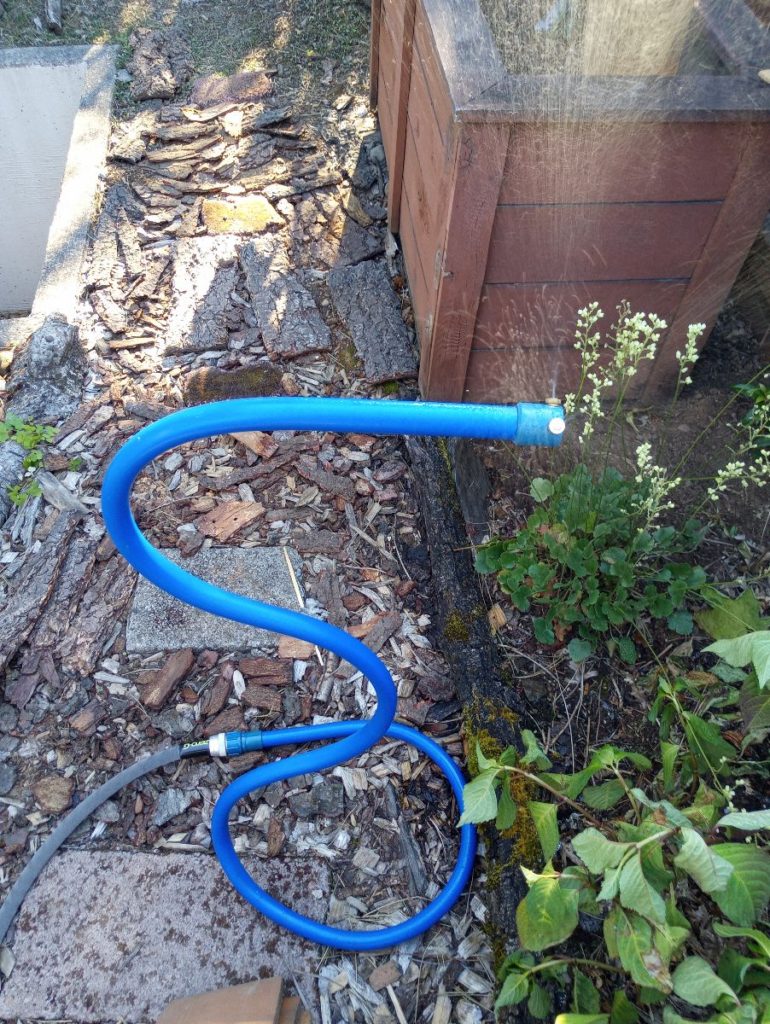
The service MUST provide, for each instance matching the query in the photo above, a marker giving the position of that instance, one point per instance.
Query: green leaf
(514, 991)
(626, 650)
(543, 631)
(668, 755)
(541, 489)
(711, 872)
(748, 890)
(582, 1018)
(747, 821)
(533, 752)
(479, 798)
(755, 706)
(680, 622)
(579, 650)
(544, 817)
(605, 795)
(706, 744)
(585, 995)
(483, 762)
(623, 1010)
(760, 941)
(637, 894)
(728, 618)
(752, 649)
(629, 937)
(697, 983)
(540, 1003)
(597, 852)
(547, 915)
(507, 811)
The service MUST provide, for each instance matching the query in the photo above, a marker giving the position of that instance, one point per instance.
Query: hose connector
(540, 423)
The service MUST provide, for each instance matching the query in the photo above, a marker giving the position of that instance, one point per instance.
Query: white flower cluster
(660, 486)
(636, 338)
(689, 357)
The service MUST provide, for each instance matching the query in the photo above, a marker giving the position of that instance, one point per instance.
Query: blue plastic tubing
(524, 423)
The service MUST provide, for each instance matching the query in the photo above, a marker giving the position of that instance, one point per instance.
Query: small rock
(9, 716)
(171, 803)
(16, 841)
(53, 793)
(329, 798)
(7, 778)
(109, 812)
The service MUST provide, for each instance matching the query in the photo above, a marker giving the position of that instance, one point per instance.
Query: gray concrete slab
(159, 622)
(116, 936)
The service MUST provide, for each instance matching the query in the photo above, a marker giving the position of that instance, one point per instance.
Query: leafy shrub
(31, 436)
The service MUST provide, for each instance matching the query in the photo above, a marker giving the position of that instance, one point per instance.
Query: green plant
(636, 875)
(31, 436)
(591, 560)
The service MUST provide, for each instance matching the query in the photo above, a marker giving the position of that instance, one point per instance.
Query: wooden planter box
(646, 189)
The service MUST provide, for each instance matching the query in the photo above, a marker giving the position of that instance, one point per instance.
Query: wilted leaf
(754, 649)
(544, 817)
(631, 936)
(637, 894)
(760, 940)
(747, 821)
(711, 872)
(597, 852)
(533, 752)
(507, 811)
(605, 795)
(728, 618)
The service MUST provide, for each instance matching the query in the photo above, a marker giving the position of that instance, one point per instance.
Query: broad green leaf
(479, 798)
(515, 989)
(747, 821)
(605, 795)
(754, 649)
(748, 890)
(507, 811)
(579, 650)
(727, 673)
(669, 753)
(733, 967)
(706, 808)
(585, 995)
(544, 817)
(533, 753)
(670, 1016)
(711, 872)
(582, 1018)
(669, 939)
(540, 1003)
(541, 489)
(755, 706)
(637, 894)
(760, 940)
(697, 983)
(597, 852)
(570, 785)
(706, 744)
(673, 815)
(629, 937)
(610, 886)
(623, 1010)
(547, 915)
(626, 650)
(728, 618)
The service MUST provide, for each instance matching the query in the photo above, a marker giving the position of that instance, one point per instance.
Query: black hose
(65, 828)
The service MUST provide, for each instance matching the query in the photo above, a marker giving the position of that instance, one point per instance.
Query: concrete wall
(38, 104)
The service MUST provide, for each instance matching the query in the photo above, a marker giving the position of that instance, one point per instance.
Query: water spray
(525, 423)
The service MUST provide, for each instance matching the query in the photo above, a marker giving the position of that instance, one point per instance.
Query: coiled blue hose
(524, 423)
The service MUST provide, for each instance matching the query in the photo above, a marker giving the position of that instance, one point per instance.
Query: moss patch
(212, 385)
(456, 629)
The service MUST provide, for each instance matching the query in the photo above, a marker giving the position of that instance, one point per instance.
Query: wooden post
(734, 232)
(401, 104)
(374, 52)
(479, 160)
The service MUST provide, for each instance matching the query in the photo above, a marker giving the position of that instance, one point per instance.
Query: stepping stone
(364, 298)
(159, 622)
(205, 273)
(285, 310)
(117, 936)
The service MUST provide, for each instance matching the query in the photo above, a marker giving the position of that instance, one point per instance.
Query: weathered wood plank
(598, 241)
(475, 187)
(386, 107)
(564, 98)
(737, 32)
(400, 105)
(422, 294)
(514, 318)
(469, 57)
(427, 68)
(374, 52)
(621, 162)
(736, 228)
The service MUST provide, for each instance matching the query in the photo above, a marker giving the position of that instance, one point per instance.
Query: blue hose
(525, 423)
